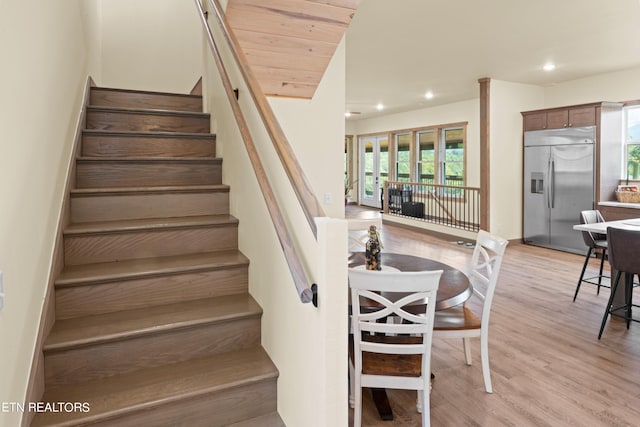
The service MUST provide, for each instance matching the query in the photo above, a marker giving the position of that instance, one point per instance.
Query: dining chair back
(359, 232)
(596, 243)
(392, 355)
(624, 247)
(461, 322)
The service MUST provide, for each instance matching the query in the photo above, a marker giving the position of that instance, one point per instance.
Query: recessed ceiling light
(549, 66)
(428, 95)
(347, 114)
(380, 106)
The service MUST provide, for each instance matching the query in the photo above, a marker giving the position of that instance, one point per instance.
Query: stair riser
(147, 292)
(85, 249)
(70, 366)
(152, 205)
(102, 174)
(211, 410)
(146, 146)
(157, 101)
(146, 122)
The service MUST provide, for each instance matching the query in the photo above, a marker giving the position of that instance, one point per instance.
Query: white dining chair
(460, 321)
(359, 232)
(392, 355)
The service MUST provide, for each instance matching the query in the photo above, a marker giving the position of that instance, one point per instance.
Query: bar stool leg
(584, 268)
(608, 310)
(628, 292)
(602, 254)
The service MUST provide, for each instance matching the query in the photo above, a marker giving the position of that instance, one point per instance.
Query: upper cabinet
(607, 118)
(558, 118)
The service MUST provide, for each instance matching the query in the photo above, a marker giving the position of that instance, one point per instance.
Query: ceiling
(289, 43)
(399, 50)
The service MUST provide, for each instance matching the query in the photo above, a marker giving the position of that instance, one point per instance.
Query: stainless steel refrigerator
(559, 182)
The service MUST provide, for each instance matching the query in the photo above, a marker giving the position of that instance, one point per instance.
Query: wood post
(485, 157)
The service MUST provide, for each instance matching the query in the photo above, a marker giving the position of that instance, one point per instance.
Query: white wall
(150, 45)
(92, 16)
(42, 79)
(615, 87)
(507, 101)
(308, 345)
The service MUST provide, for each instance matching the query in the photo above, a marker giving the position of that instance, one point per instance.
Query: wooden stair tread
(157, 112)
(149, 224)
(88, 330)
(149, 159)
(150, 189)
(153, 322)
(156, 134)
(134, 268)
(269, 420)
(144, 92)
(145, 389)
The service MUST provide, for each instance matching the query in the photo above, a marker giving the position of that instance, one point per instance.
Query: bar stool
(624, 247)
(596, 242)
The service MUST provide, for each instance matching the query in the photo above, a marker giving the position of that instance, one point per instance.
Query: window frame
(436, 156)
(440, 152)
(396, 161)
(627, 143)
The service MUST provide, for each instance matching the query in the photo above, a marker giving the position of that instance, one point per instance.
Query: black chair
(624, 247)
(597, 244)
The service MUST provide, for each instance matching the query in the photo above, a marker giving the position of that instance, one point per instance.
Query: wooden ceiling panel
(284, 60)
(284, 82)
(289, 43)
(284, 44)
(298, 9)
(347, 4)
(263, 23)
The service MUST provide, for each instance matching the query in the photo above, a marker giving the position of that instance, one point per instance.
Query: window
(426, 156)
(403, 157)
(632, 141)
(453, 147)
(440, 155)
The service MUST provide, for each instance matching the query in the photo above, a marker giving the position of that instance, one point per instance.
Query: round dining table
(454, 289)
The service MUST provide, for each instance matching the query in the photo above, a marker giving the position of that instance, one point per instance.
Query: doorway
(374, 168)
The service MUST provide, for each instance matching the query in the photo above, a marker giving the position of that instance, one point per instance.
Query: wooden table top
(454, 288)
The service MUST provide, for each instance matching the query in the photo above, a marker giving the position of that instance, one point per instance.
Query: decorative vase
(372, 250)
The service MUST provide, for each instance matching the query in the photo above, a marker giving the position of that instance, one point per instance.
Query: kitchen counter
(614, 211)
(620, 205)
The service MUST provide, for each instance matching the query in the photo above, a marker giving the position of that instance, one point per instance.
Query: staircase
(154, 324)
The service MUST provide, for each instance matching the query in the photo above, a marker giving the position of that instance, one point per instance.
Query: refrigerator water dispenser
(537, 183)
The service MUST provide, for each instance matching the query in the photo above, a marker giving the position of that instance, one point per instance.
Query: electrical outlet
(1, 292)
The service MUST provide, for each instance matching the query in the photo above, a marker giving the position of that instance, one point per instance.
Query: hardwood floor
(548, 367)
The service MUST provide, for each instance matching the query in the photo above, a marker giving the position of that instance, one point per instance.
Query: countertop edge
(620, 205)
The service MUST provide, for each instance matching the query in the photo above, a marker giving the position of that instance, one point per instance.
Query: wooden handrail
(301, 187)
(286, 242)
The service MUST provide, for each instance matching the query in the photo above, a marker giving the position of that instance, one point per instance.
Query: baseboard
(35, 385)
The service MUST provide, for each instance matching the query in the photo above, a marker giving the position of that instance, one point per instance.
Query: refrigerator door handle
(548, 190)
(553, 183)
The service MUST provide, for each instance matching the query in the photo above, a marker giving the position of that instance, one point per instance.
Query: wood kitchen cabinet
(616, 211)
(558, 118)
(607, 118)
